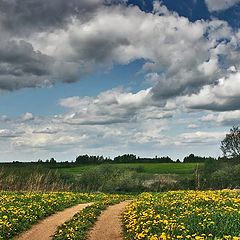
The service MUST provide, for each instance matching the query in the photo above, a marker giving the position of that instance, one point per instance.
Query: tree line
(132, 158)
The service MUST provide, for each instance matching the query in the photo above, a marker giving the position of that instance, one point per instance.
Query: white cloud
(200, 138)
(192, 126)
(189, 65)
(220, 5)
(7, 133)
(46, 130)
(223, 95)
(181, 56)
(27, 116)
(84, 45)
(228, 118)
(113, 106)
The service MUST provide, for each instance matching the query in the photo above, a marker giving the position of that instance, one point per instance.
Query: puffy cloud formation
(62, 41)
(224, 118)
(113, 106)
(220, 5)
(224, 95)
(192, 67)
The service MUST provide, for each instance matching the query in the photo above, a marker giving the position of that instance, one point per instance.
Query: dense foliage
(230, 145)
(125, 158)
(196, 159)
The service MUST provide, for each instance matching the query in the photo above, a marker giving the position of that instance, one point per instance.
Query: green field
(113, 177)
(147, 168)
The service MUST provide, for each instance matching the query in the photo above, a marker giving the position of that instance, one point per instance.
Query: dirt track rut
(109, 224)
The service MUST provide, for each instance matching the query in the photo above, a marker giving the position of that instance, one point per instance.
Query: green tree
(52, 160)
(230, 145)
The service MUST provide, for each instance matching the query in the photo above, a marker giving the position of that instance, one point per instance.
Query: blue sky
(113, 77)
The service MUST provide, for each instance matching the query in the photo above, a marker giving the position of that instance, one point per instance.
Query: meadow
(20, 210)
(182, 169)
(184, 215)
(113, 178)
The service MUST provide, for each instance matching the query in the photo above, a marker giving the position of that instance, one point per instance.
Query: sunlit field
(156, 216)
(184, 215)
(21, 210)
(147, 168)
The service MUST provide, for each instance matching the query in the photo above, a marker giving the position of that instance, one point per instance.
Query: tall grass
(32, 179)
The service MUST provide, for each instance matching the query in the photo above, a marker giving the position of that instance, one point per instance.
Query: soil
(109, 224)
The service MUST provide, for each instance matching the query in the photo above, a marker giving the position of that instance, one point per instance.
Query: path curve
(47, 227)
(109, 224)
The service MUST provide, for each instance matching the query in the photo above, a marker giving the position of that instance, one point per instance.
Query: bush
(226, 178)
(108, 178)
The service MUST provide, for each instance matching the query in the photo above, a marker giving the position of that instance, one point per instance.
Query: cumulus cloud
(22, 17)
(4, 118)
(92, 44)
(224, 95)
(22, 66)
(85, 37)
(228, 118)
(200, 138)
(112, 106)
(220, 5)
(191, 67)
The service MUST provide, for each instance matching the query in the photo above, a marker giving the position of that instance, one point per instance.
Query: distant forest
(125, 158)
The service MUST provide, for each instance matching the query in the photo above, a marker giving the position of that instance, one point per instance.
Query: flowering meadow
(18, 211)
(156, 216)
(184, 215)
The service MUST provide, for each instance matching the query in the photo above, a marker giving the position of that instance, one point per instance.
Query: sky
(108, 77)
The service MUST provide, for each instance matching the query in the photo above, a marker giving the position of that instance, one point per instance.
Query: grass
(20, 210)
(192, 215)
(182, 169)
(121, 177)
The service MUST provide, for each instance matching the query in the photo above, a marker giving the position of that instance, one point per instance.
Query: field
(171, 215)
(114, 178)
(21, 210)
(184, 215)
(147, 168)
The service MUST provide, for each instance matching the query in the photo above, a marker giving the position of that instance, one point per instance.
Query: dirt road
(47, 227)
(109, 224)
